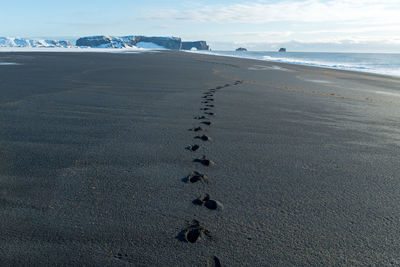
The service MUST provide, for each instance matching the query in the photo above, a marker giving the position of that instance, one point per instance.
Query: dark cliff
(172, 43)
(199, 45)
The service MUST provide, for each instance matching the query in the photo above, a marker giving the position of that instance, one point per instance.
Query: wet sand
(106, 160)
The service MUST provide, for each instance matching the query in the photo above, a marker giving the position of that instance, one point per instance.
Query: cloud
(370, 11)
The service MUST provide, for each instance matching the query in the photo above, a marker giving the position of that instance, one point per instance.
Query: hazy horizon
(299, 25)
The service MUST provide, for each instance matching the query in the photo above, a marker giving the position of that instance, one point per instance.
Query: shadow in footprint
(210, 106)
(201, 118)
(205, 109)
(193, 148)
(214, 262)
(238, 82)
(193, 232)
(200, 200)
(206, 123)
(122, 256)
(209, 113)
(203, 138)
(208, 202)
(195, 177)
(196, 129)
(204, 161)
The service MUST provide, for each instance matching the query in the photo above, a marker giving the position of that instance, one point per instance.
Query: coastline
(94, 153)
(276, 58)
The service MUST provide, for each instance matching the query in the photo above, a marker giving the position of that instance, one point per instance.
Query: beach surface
(303, 162)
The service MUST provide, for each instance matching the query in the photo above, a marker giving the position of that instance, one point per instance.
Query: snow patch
(148, 45)
(23, 42)
(8, 63)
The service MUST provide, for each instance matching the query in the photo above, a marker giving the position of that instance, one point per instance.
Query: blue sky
(300, 25)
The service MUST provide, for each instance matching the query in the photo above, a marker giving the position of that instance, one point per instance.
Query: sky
(298, 25)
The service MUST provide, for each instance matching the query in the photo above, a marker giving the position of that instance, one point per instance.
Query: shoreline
(209, 53)
(300, 64)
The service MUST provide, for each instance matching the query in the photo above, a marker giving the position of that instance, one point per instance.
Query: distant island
(104, 41)
(282, 50)
(241, 49)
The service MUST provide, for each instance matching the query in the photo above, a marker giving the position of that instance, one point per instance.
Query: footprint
(205, 108)
(193, 147)
(238, 82)
(206, 123)
(204, 161)
(210, 106)
(122, 256)
(196, 129)
(208, 203)
(200, 200)
(193, 232)
(201, 118)
(203, 138)
(226, 85)
(219, 87)
(210, 113)
(205, 102)
(213, 205)
(195, 177)
(214, 262)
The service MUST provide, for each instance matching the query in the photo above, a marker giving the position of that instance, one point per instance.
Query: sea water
(380, 63)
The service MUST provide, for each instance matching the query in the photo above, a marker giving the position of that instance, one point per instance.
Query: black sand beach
(94, 152)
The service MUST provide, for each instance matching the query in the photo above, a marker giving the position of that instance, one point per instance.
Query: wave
(315, 63)
(386, 64)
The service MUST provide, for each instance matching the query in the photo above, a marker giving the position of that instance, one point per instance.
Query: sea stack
(241, 49)
(282, 50)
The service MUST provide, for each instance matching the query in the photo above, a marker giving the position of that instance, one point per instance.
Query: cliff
(199, 45)
(172, 43)
(24, 42)
(106, 41)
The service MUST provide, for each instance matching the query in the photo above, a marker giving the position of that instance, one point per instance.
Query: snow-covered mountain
(24, 42)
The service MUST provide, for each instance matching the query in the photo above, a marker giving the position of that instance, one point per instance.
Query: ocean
(380, 63)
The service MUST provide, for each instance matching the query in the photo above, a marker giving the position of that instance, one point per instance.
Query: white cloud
(341, 23)
(371, 11)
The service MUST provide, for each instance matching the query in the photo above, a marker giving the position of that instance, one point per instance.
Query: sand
(298, 165)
